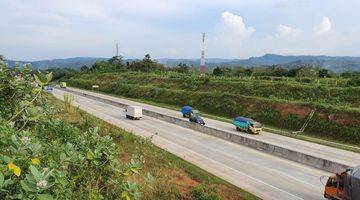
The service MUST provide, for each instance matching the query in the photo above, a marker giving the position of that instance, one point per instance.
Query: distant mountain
(75, 63)
(335, 63)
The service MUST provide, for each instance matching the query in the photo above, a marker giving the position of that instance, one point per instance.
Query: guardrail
(275, 150)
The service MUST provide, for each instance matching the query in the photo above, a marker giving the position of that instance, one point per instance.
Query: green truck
(248, 125)
(62, 84)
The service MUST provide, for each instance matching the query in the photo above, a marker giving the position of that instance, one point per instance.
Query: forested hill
(334, 63)
(75, 62)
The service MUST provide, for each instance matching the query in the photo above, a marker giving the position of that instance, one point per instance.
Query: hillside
(335, 63)
(75, 62)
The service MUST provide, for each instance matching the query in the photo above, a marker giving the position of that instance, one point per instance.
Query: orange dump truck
(344, 186)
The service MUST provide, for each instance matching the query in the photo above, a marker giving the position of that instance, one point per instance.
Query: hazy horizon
(170, 57)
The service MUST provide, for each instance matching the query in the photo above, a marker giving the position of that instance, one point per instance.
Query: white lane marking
(239, 172)
(99, 103)
(235, 158)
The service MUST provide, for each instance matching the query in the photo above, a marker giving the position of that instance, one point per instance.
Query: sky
(46, 29)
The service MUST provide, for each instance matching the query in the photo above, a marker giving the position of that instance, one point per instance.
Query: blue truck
(192, 114)
(48, 88)
(248, 125)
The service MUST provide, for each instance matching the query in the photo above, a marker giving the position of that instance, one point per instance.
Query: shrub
(50, 158)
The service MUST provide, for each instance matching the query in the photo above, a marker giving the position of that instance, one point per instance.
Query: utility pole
(202, 60)
(117, 50)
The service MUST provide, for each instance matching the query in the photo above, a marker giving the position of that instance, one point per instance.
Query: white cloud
(173, 28)
(231, 34)
(235, 24)
(323, 27)
(287, 31)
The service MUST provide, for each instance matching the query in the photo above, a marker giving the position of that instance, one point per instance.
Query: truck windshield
(256, 124)
(195, 112)
(331, 182)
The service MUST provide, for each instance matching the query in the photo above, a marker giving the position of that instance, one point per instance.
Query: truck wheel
(238, 129)
(184, 115)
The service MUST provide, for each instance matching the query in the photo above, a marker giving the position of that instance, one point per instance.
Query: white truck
(133, 112)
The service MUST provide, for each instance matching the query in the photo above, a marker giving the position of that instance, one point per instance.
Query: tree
(293, 72)
(84, 68)
(323, 73)
(182, 68)
(217, 71)
(222, 71)
(116, 62)
(147, 58)
(307, 71)
(148, 64)
(249, 71)
(279, 71)
(145, 65)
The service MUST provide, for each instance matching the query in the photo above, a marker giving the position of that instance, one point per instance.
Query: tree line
(147, 64)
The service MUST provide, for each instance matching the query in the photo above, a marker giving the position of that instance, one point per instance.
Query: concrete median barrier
(275, 150)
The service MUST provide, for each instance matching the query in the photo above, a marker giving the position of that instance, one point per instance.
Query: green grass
(285, 132)
(312, 94)
(158, 162)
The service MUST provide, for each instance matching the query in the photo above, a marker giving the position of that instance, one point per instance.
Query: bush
(45, 158)
(201, 193)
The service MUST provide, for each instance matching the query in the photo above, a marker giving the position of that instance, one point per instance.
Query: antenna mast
(117, 50)
(202, 60)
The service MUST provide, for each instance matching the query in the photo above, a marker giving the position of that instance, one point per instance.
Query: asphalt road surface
(329, 153)
(261, 174)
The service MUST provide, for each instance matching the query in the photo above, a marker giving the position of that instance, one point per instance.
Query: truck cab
(186, 111)
(335, 187)
(62, 84)
(48, 88)
(195, 117)
(344, 186)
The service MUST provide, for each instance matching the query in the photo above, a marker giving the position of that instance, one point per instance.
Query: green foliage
(222, 71)
(354, 82)
(145, 65)
(201, 193)
(46, 158)
(68, 102)
(181, 68)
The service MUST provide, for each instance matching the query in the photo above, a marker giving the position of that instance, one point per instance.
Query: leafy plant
(42, 157)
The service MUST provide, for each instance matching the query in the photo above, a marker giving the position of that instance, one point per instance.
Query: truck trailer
(186, 111)
(192, 114)
(133, 112)
(344, 186)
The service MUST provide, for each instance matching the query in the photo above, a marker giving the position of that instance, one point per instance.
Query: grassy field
(173, 178)
(284, 104)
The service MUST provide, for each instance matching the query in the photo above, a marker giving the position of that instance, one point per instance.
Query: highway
(261, 174)
(337, 155)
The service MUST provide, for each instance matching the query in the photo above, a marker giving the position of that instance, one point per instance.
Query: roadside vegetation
(50, 149)
(278, 97)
